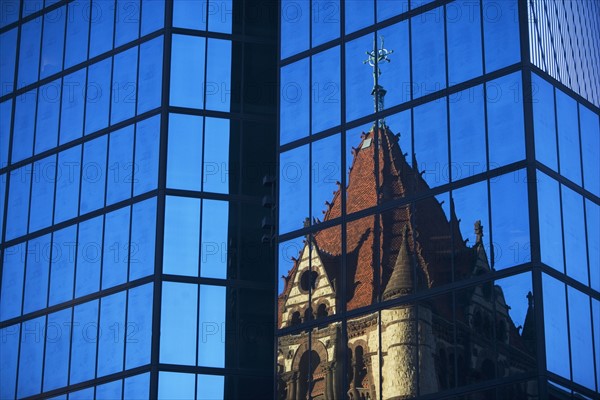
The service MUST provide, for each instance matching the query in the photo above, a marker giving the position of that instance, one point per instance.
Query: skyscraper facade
(135, 136)
(438, 200)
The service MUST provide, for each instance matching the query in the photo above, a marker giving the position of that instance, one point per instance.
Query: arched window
(322, 310)
(295, 320)
(308, 280)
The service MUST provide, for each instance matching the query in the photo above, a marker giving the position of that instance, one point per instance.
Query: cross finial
(530, 299)
(374, 59)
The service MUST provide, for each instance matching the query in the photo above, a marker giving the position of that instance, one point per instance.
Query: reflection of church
(426, 346)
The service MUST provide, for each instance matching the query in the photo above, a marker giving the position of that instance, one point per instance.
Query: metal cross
(376, 57)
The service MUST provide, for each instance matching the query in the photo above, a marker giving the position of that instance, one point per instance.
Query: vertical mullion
(160, 209)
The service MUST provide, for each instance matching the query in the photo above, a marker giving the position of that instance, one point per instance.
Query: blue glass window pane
(470, 205)
(5, 121)
(62, 267)
(29, 55)
(295, 20)
(143, 237)
(325, 21)
(120, 165)
(137, 387)
(189, 14)
(294, 101)
(47, 116)
(510, 220)
(128, 20)
(31, 357)
(103, 19)
(220, 15)
(153, 16)
(216, 156)
(182, 236)
(9, 13)
(112, 338)
(11, 295)
(215, 216)
(187, 71)
(463, 25)
(67, 184)
(58, 339)
(109, 391)
(467, 133)
(89, 255)
(582, 357)
(73, 93)
(36, 276)
(97, 96)
(573, 221)
(178, 324)
(326, 172)
(543, 121)
(568, 137)
(85, 336)
(8, 43)
(596, 325)
(428, 52)
(211, 387)
(592, 213)
(78, 23)
(218, 75)
(22, 146)
(18, 202)
(590, 147)
(176, 386)
(211, 344)
(42, 193)
(146, 155)
(184, 153)
(31, 6)
(139, 326)
(150, 75)
(326, 90)
(359, 14)
(8, 361)
(506, 137)
(389, 8)
(358, 84)
(395, 75)
(555, 321)
(501, 33)
(293, 189)
(53, 42)
(551, 245)
(124, 86)
(116, 248)
(431, 142)
(93, 175)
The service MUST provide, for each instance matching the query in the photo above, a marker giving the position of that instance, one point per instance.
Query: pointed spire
(479, 232)
(401, 280)
(528, 333)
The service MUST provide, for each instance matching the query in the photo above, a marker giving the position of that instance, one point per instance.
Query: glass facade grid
(444, 169)
(87, 140)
